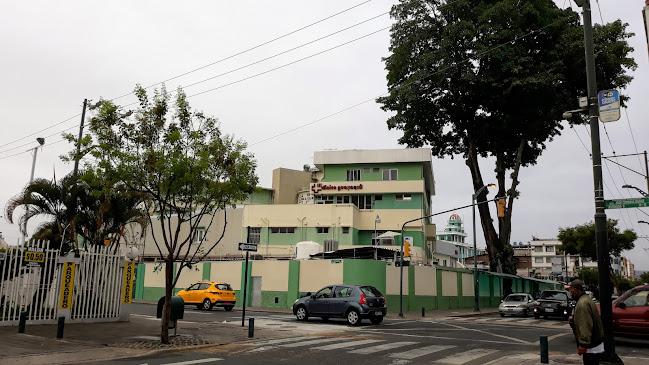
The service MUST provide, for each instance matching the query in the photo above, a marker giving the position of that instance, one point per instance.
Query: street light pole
(601, 239)
(476, 287)
(638, 189)
(376, 220)
(41, 142)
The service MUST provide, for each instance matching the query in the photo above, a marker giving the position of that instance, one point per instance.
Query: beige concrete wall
(425, 280)
(467, 285)
(392, 280)
(227, 246)
(318, 273)
(153, 279)
(287, 183)
(297, 215)
(190, 276)
(228, 272)
(449, 283)
(274, 274)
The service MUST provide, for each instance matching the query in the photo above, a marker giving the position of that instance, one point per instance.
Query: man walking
(587, 327)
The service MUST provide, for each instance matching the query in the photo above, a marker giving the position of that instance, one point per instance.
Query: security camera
(40, 140)
(567, 115)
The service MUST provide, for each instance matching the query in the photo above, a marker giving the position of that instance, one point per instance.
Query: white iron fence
(32, 279)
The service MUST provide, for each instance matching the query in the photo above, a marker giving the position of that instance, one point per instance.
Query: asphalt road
(471, 341)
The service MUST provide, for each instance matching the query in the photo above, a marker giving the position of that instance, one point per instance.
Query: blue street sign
(609, 105)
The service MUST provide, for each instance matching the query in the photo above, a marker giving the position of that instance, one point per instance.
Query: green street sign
(627, 203)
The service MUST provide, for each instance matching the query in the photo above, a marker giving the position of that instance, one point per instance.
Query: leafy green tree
(589, 277)
(580, 240)
(179, 163)
(644, 277)
(492, 79)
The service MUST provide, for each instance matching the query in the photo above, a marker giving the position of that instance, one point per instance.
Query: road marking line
(345, 345)
(493, 334)
(386, 346)
(482, 320)
(411, 354)
(199, 361)
(550, 338)
(512, 359)
(396, 323)
(276, 341)
(505, 319)
(461, 358)
(311, 342)
(443, 338)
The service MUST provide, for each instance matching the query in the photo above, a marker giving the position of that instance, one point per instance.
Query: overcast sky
(55, 54)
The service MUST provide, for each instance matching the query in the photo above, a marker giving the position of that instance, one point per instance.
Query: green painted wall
(367, 272)
(139, 281)
(260, 196)
(293, 281)
(407, 171)
(275, 299)
(389, 201)
(207, 268)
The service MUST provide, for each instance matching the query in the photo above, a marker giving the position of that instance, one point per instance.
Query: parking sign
(609, 105)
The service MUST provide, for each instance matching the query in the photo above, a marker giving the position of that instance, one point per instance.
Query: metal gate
(31, 281)
(28, 276)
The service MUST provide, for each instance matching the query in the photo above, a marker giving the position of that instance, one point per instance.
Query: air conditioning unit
(330, 245)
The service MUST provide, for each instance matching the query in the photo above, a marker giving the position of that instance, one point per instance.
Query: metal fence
(31, 281)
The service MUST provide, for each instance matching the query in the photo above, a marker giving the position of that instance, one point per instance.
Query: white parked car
(516, 304)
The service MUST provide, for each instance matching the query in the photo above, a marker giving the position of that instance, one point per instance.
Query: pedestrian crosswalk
(505, 320)
(401, 350)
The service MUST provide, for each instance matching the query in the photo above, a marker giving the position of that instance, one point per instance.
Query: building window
(538, 248)
(403, 196)
(549, 248)
(376, 170)
(389, 174)
(353, 175)
(366, 170)
(444, 262)
(345, 230)
(378, 197)
(199, 235)
(323, 229)
(325, 199)
(255, 235)
(538, 260)
(342, 199)
(282, 230)
(548, 260)
(362, 201)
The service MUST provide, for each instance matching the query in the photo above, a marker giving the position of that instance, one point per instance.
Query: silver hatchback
(516, 304)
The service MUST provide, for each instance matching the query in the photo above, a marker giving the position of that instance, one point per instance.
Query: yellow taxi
(207, 294)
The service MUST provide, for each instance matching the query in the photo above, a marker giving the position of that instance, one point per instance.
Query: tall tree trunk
(166, 310)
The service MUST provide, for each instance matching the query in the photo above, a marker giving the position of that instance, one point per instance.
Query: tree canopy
(580, 240)
(492, 79)
(178, 163)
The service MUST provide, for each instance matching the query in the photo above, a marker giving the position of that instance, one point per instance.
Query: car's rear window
(223, 286)
(371, 291)
(515, 298)
(554, 295)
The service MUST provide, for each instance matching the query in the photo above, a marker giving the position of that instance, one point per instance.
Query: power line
(208, 65)
(29, 150)
(48, 136)
(582, 142)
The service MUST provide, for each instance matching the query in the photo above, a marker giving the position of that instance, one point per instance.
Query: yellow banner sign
(34, 256)
(67, 285)
(129, 275)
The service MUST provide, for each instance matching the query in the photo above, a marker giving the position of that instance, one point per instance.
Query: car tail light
(363, 299)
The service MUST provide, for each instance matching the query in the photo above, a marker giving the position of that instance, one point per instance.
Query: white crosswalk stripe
(276, 341)
(383, 347)
(421, 351)
(464, 357)
(506, 319)
(343, 345)
(310, 342)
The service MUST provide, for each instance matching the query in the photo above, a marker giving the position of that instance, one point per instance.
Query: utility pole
(601, 238)
(78, 157)
(41, 142)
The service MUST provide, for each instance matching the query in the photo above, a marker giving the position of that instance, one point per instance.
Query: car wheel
(207, 305)
(228, 307)
(376, 320)
(353, 317)
(301, 313)
(325, 318)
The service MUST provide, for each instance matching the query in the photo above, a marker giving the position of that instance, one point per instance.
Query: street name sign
(248, 247)
(627, 203)
(609, 105)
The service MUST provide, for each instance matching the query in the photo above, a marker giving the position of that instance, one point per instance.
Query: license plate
(378, 313)
(549, 310)
(510, 309)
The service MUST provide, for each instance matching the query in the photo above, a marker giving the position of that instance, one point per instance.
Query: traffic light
(501, 203)
(406, 249)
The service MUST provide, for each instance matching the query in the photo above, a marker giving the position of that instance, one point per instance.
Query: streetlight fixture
(476, 288)
(638, 189)
(376, 220)
(645, 222)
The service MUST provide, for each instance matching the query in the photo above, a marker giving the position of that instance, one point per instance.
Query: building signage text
(128, 282)
(316, 188)
(67, 285)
